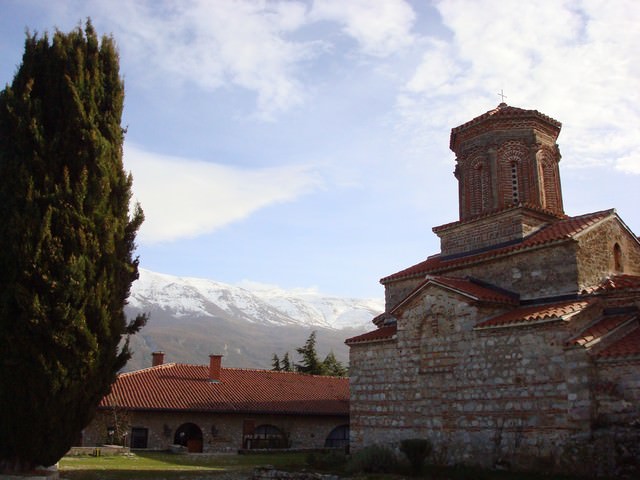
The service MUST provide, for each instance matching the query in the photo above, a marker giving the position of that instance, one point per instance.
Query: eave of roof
(556, 232)
(462, 286)
(601, 328)
(382, 334)
(620, 282)
(502, 111)
(537, 314)
(625, 348)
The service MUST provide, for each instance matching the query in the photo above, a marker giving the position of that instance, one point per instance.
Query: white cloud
(256, 45)
(212, 44)
(381, 28)
(183, 198)
(571, 60)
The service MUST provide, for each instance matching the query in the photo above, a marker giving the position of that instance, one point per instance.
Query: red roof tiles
(617, 282)
(560, 230)
(181, 387)
(603, 326)
(627, 346)
(502, 111)
(387, 332)
(474, 290)
(537, 314)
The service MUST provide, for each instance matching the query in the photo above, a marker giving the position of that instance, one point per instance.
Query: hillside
(191, 318)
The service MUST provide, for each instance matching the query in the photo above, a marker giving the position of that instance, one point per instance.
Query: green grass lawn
(158, 465)
(168, 466)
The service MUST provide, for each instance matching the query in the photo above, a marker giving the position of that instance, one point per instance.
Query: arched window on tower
(618, 264)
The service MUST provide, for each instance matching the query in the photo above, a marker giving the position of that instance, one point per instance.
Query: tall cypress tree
(66, 244)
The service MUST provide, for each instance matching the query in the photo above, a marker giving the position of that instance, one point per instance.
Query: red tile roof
(181, 387)
(627, 346)
(600, 328)
(501, 111)
(617, 282)
(557, 231)
(537, 314)
(464, 286)
(387, 332)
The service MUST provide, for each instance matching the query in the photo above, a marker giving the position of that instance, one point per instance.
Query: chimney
(157, 358)
(215, 365)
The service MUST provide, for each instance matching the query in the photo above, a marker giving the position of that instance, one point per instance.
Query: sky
(304, 143)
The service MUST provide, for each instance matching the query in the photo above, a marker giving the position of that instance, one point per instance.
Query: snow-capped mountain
(192, 317)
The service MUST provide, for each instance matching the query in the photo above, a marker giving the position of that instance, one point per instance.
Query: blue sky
(304, 144)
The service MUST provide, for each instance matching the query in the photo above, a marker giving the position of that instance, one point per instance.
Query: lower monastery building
(210, 408)
(519, 343)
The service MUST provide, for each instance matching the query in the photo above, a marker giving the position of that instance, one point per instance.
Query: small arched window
(269, 436)
(618, 264)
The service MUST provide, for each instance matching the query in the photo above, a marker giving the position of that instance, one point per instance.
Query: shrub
(373, 459)
(416, 450)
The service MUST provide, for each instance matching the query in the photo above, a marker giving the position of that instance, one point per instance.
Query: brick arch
(479, 186)
(548, 181)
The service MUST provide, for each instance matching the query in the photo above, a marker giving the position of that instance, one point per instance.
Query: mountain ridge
(191, 318)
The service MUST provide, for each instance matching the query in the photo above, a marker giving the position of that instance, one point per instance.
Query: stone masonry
(518, 345)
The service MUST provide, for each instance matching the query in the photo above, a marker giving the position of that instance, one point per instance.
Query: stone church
(518, 345)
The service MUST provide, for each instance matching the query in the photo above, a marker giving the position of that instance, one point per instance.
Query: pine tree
(310, 363)
(275, 363)
(332, 367)
(66, 244)
(286, 363)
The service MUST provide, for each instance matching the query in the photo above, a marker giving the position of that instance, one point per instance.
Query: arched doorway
(189, 435)
(338, 438)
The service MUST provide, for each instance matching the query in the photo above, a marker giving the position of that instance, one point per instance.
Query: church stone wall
(617, 393)
(596, 257)
(543, 272)
(482, 397)
(377, 403)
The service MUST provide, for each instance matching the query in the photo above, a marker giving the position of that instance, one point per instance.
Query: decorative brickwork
(507, 157)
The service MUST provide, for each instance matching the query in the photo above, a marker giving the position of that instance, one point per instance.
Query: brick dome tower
(507, 157)
(508, 179)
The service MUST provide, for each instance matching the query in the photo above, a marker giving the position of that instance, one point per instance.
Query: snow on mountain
(253, 302)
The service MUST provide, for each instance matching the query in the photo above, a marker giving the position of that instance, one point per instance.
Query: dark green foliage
(332, 367)
(416, 450)
(285, 365)
(310, 363)
(66, 244)
(275, 363)
(373, 459)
